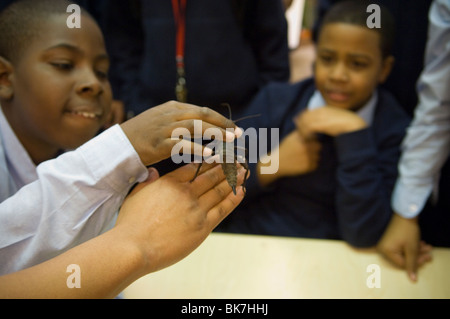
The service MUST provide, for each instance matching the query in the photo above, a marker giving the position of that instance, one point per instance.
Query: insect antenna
(247, 117)
(240, 119)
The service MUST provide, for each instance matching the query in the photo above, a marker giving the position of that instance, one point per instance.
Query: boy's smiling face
(349, 65)
(61, 94)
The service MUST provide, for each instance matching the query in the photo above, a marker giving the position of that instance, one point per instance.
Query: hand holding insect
(151, 233)
(150, 132)
(184, 211)
(226, 156)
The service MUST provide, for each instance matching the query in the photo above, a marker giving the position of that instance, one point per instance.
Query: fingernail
(207, 151)
(240, 191)
(238, 132)
(214, 159)
(230, 136)
(153, 174)
(241, 171)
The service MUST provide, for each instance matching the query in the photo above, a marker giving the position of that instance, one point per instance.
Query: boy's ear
(6, 87)
(386, 68)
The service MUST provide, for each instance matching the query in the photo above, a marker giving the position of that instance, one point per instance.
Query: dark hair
(355, 12)
(20, 24)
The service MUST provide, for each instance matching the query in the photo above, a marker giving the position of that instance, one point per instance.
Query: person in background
(198, 51)
(420, 201)
(227, 49)
(340, 140)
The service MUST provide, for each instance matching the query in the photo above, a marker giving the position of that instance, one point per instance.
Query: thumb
(153, 175)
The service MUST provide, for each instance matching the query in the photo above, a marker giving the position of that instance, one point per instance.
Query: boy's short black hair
(20, 24)
(355, 12)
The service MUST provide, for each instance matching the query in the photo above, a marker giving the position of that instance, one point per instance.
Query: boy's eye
(358, 64)
(326, 58)
(102, 75)
(65, 66)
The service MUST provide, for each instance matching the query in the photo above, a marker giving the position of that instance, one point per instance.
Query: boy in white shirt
(55, 96)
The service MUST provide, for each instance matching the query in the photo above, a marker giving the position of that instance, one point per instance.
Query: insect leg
(196, 173)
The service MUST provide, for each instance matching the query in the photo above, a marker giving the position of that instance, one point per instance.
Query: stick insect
(229, 159)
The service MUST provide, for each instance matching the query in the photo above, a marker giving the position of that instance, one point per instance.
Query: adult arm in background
(425, 149)
(160, 223)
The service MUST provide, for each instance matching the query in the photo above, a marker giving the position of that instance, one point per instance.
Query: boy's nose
(339, 72)
(89, 84)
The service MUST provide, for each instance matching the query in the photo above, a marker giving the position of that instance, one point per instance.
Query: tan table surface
(228, 266)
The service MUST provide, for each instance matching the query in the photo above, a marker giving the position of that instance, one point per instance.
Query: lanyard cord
(179, 13)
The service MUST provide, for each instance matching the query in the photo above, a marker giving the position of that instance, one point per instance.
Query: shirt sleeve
(74, 199)
(427, 144)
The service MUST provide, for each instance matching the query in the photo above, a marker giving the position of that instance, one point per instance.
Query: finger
(424, 247)
(396, 258)
(424, 258)
(305, 132)
(186, 173)
(217, 214)
(411, 262)
(182, 146)
(207, 180)
(205, 114)
(153, 175)
(424, 253)
(218, 193)
(199, 129)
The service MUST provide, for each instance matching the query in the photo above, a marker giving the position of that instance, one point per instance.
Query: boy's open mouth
(86, 114)
(85, 111)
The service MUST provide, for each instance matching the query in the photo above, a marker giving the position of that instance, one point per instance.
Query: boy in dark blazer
(340, 139)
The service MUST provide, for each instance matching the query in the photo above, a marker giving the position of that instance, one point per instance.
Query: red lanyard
(179, 13)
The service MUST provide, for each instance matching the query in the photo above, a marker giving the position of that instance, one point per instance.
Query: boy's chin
(78, 137)
(340, 105)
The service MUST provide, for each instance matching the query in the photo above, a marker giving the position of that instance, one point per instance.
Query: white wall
(294, 16)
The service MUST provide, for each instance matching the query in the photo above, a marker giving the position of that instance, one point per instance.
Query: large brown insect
(229, 160)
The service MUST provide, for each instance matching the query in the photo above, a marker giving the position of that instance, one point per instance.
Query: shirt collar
(20, 165)
(366, 112)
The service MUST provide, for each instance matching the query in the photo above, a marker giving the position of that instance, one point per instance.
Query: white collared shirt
(16, 167)
(63, 202)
